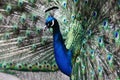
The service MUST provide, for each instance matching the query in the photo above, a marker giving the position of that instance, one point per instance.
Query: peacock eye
(86, 1)
(64, 4)
(94, 14)
(92, 51)
(73, 17)
(34, 16)
(11, 64)
(109, 57)
(89, 32)
(25, 64)
(65, 20)
(4, 66)
(23, 18)
(116, 34)
(20, 3)
(100, 41)
(8, 8)
(105, 23)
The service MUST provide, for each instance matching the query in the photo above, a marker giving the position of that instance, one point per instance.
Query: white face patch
(52, 23)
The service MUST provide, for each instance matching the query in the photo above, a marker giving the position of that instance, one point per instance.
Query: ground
(34, 76)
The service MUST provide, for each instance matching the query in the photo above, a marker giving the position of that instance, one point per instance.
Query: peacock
(81, 38)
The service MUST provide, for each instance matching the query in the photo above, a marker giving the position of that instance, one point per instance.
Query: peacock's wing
(24, 45)
(92, 31)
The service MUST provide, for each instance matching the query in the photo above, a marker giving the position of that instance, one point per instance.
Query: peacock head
(50, 22)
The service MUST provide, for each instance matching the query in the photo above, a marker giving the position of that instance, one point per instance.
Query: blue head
(50, 22)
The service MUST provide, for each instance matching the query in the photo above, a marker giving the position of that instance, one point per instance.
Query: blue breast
(62, 55)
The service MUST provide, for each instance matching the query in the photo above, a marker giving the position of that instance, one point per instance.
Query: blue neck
(60, 51)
